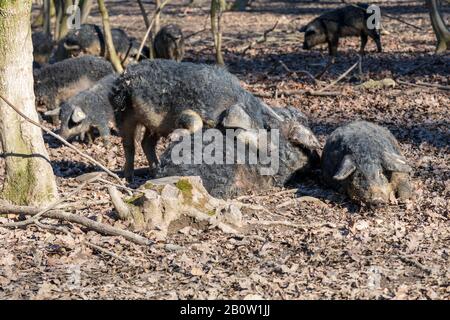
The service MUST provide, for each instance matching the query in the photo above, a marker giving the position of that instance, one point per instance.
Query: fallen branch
(53, 205)
(64, 141)
(149, 29)
(83, 221)
(426, 85)
(276, 223)
(300, 199)
(289, 93)
(342, 76)
(106, 251)
(195, 33)
(306, 73)
(262, 39)
(325, 69)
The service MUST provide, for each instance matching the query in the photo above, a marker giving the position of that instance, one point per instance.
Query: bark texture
(29, 176)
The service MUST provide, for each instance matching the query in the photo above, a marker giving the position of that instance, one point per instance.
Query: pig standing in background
(89, 40)
(42, 48)
(169, 43)
(364, 160)
(57, 82)
(348, 21)
(88, 110)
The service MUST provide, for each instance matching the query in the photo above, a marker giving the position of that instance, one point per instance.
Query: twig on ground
(289, 93)
(276, 223)
(64, 141)
(309, 75)
(342, 76)
(106, 251)
(426, 85)
(325, 69)
(300, 199)
(261, 39)
(414, 263)
(195, 33)
(102, 228)
(53, 205)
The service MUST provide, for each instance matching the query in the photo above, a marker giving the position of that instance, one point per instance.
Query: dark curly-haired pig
(293, 155)
(164, 95)
(87, 110)
(348, 21)
(169, 43)
(56, 83)
(89, 40)
(42, 48)
(364, 160)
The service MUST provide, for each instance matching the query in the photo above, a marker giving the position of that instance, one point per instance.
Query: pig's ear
(395, 162)
(78, 115)
(303, 29)
(236, 117)
(303, 136)
(346, 168)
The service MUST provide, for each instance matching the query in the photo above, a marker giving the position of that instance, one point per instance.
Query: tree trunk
(157, 24)
(112, 54)
(62, 16)
(144, 14)
(439, 27)
(85, 7)
(29, 176)
(47, 17)
(217, 8)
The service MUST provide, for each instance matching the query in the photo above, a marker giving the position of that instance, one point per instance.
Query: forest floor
(338, 250)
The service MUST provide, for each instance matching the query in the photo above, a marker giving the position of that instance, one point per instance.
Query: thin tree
(439, 27)
(217, 9)
(85, 8)
(112, 54)
(63, 14)
(29, 176)
(157, 24)
(46, 10)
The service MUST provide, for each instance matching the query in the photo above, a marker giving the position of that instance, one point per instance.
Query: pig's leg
(127, 132)
(104, 134)
(375, 35)
(401, 184)
(148, 144)
(363, 43)
(333, 42)
(90, 136)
